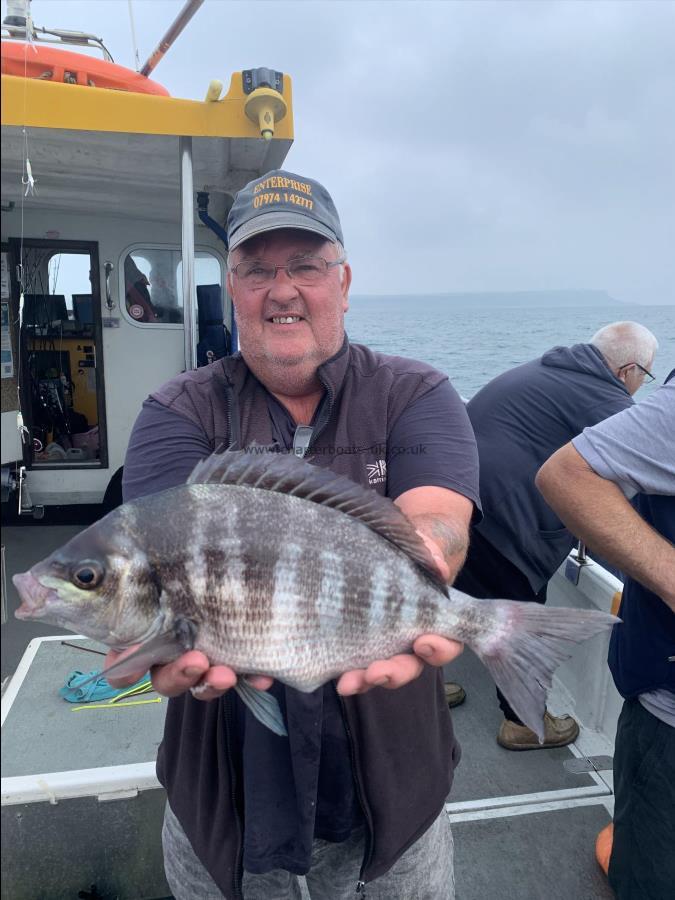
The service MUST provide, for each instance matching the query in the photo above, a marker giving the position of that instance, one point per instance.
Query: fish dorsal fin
(284, 473)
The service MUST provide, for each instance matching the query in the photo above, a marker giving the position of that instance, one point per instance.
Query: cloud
(469, 146)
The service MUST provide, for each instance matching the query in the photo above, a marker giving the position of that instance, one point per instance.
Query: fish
(273, 566)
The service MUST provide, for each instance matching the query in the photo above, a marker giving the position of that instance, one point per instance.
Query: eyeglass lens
(308, 270)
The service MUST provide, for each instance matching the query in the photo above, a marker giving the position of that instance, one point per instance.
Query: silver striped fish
(273, 566)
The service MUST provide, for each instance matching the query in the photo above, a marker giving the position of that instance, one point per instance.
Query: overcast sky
(469, 146)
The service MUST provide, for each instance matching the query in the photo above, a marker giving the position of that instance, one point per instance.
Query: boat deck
(524, 825)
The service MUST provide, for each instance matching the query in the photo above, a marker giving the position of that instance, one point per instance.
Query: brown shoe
(558, 732)
(454, 694)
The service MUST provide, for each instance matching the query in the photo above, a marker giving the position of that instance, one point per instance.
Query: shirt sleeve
(635, 448)
(432, 444)
(163, 450)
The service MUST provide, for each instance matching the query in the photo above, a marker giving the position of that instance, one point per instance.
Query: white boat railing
(586, 679)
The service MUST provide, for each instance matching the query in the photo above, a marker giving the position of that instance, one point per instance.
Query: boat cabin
(105, 193)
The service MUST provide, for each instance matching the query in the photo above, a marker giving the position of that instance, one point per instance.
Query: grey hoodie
(520, 418)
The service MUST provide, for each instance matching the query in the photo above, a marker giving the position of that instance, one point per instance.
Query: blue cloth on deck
(95, 690)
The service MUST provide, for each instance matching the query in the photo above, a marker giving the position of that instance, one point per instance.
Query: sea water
(474, 344)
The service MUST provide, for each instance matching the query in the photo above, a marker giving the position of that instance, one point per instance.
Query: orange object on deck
(603, 847)
(65, 67)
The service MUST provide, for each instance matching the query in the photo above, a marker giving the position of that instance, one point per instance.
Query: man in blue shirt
(519, 419)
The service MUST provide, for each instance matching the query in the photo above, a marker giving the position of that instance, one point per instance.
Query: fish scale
(273, 566)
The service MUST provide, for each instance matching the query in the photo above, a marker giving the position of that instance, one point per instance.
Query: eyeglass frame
(330, 264)
(646, 372)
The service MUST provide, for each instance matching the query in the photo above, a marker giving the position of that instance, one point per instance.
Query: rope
(134, 44)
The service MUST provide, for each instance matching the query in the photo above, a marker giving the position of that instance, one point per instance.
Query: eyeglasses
(305, 271)
(648, 375)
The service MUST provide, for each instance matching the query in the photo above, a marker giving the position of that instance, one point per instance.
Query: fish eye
(87, 574)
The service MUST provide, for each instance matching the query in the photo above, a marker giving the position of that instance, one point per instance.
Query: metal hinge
(575, 562)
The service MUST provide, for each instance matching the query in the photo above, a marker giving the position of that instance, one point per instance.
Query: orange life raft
(65, 67)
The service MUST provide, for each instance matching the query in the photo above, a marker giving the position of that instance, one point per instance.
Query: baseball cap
(281, 199)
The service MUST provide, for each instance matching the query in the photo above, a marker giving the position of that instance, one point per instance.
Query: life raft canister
(65, 67)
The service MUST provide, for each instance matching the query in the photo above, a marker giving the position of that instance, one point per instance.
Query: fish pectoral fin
(263, 706)
(162, 648)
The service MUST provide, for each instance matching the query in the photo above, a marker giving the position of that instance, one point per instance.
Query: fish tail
(527, 644)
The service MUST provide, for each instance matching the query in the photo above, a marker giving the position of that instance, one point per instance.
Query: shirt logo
(377, 472)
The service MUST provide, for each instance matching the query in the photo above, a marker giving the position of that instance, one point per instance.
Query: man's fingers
(437, 650)
(219, 679)
(389, 673)
(399, 670)
(262, 682)
(192, 672)
(214, 683)
(180, 675)
(394, 672)
(351, 682)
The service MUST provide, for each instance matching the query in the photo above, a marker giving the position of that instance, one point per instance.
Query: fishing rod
(181, 20)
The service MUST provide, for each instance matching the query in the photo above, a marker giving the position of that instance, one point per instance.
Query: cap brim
(274, 220)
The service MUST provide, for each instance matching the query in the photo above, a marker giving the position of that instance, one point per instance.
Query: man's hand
(192, 672)
(399, 670)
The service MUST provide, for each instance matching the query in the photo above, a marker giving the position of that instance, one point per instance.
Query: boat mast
(187, 199)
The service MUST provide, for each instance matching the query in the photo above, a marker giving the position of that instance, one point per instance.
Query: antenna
(18, 19)
(18, 23)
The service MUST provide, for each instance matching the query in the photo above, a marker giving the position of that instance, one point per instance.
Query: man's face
(280, 352)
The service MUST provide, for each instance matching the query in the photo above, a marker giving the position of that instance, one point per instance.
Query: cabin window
(152, 287)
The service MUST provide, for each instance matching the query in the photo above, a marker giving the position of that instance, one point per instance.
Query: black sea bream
(273, 566)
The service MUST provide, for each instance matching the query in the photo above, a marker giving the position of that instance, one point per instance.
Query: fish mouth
(35, 597)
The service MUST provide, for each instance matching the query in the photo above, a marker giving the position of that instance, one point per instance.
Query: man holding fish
(289, 281)
(302, 586)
